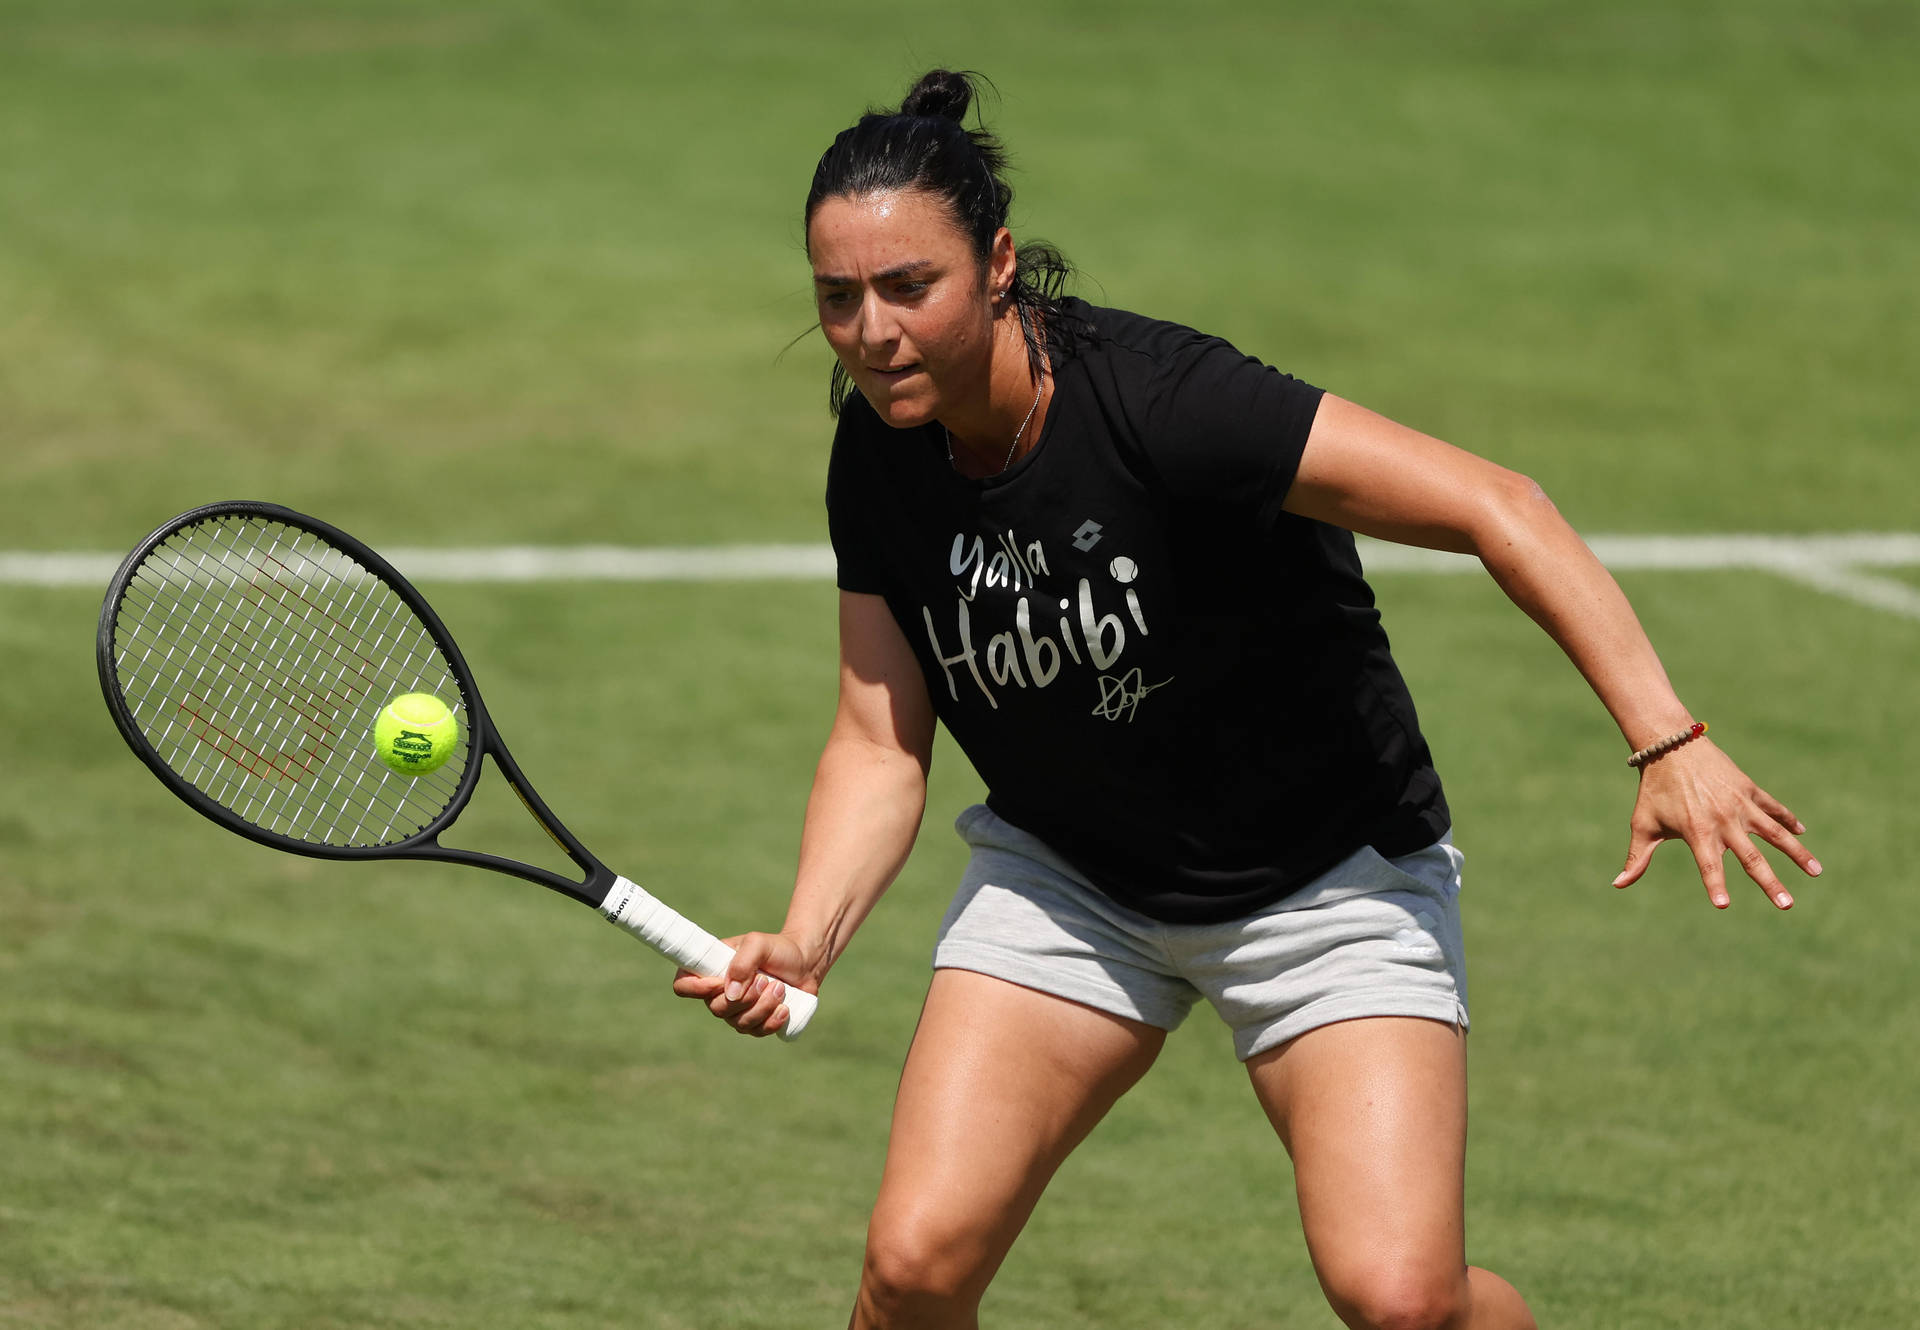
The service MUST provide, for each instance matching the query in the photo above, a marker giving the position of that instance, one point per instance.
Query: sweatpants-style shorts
(1369, 937)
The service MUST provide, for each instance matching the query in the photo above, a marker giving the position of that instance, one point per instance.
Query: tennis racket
(245, 651)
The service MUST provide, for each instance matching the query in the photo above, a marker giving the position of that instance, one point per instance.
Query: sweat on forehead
(899, 231)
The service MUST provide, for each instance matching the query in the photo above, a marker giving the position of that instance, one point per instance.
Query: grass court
(520, 272)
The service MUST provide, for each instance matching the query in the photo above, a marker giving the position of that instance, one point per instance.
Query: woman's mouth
(892, 375)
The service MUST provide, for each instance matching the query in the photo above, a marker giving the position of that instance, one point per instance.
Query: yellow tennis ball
(415, 733)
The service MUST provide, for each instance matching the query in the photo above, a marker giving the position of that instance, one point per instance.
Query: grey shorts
(1369, 937)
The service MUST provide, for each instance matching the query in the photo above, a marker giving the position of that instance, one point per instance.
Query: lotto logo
(1087, 536)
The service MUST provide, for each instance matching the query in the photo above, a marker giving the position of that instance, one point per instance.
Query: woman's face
(904, 303)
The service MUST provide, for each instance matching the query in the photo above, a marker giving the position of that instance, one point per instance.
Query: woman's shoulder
(1151, 366)
(1111, 331)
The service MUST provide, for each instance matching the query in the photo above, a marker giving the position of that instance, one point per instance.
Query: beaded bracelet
(1654, 751)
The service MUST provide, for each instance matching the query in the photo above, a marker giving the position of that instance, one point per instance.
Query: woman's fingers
(690, 985)
(1779, 812)
(749, 959)
(752, 1012)
(1776, 834)
(1756, 866)
(745, 997)
(1640, 848)
(1772, 827)
(1708, 852)
(1710, 848)
(687, 984)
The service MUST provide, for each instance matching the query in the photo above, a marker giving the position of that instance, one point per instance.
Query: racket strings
(209, 706)
(254, 657)
(278, 596)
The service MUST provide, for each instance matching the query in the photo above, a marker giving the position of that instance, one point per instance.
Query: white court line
(507, 563)
(1832, 563)
(1829, 563)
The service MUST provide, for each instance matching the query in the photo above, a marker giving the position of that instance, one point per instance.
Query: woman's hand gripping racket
(246, 650)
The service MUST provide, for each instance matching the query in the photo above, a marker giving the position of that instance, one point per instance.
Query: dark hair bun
(942, 93)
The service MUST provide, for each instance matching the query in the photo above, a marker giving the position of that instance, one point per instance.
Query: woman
(1113, 556)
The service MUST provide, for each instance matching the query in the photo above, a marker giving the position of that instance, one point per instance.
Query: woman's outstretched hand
(748, 997)
(1696, 794)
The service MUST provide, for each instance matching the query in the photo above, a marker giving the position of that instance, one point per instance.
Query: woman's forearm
(1368, 474)
(862, 818)
(1373, 475)
(1548, 571)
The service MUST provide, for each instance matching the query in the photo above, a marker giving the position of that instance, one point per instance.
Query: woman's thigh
(1001, 1083)
(1374, 1113)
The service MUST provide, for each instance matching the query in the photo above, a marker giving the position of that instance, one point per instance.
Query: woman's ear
(1002, 264)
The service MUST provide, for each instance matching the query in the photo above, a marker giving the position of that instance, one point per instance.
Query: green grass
(1654, 252)
(527, 270)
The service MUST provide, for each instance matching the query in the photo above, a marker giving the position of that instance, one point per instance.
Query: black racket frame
(482, 739)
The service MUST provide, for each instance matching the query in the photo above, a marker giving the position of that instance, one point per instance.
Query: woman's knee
(918, 1266)
(1400, 1297)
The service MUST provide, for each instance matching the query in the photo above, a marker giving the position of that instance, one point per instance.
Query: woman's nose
(878, 326)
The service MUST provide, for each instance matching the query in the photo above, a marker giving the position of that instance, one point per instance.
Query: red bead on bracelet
(1654, 751)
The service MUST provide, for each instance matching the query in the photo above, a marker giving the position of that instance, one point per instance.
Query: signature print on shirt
(1023, 658)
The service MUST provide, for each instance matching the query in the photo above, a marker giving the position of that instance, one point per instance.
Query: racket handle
(687, 944)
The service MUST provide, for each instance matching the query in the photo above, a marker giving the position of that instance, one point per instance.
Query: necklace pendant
(1013, 447)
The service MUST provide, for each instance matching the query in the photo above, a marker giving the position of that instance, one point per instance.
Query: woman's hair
(925, 146)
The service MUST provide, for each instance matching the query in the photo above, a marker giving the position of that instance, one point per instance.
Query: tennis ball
(415, 733)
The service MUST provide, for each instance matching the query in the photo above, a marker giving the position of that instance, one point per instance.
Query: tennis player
(1114, 556)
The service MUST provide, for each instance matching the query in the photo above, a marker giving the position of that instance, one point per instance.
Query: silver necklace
(1016, 434)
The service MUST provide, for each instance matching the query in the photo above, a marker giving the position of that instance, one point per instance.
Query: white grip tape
(687, 944)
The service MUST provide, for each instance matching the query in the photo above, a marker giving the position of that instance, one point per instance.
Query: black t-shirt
(1181, 688)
